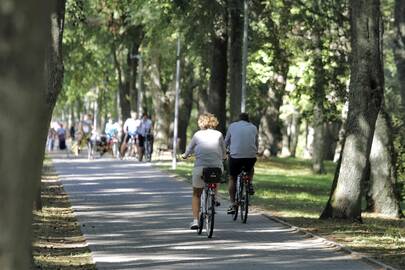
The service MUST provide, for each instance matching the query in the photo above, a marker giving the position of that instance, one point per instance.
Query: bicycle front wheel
(210, 217)
(244, 202)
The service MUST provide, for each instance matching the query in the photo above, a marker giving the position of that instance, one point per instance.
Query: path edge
(269, 215)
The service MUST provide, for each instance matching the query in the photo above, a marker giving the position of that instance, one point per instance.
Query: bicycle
(242, 196)
(131, 146)
(211, 177)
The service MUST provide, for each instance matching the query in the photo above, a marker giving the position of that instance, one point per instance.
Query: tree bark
(399, 47)
(162, 105)
(186, 104)
(365, 97)
(331, 139)
(217, 83)
(319, 96)
(235, 57)
(294, 133)
(24, 35)
(123, 87)
(382, 197)
(55, 69)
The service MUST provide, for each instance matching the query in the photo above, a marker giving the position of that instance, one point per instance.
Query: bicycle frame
(242, 196)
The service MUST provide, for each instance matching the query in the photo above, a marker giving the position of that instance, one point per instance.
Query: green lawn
(289, 190)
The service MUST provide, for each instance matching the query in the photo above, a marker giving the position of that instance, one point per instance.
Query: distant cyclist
(85, 131)
(111, 128)
(208, 146)
(131, 127)
(145, 130)
(241, 138)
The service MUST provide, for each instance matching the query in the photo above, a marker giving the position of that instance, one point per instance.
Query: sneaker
(194, 225)
(231, 210)
(251, 189)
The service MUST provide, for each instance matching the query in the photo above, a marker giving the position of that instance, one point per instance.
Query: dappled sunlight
(137, 217)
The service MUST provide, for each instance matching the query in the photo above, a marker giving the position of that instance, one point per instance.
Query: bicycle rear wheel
(210, 217)
(201, 218)
(244, 202)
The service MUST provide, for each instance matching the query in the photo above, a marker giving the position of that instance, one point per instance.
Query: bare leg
(231, 189)
(195, 203)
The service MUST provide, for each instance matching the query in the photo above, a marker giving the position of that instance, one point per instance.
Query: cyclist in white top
(208, 147)
(241, 138)
(130, 129)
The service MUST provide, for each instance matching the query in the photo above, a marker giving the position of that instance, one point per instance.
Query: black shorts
(128, 137)
(236, 165)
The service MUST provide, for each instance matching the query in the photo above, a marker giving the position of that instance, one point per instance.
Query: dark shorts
(236, 165)
(129, 137)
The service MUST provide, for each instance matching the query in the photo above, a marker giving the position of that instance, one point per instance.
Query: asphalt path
(135, 216)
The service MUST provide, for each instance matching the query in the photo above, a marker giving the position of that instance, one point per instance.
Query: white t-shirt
(131, 126)
(241, 138)
(209, 148)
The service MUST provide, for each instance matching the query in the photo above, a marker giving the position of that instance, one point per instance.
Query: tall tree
(218, 79)
(399, 46)
(365, 98)
(189, 83)
(318, 97)
(277, 37)
(54, 69)
(235, 57)
(24, 35)
(382, 196)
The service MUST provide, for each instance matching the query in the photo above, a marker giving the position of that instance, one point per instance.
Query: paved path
(136, 217)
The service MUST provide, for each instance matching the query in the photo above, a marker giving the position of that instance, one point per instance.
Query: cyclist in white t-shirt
(208, 147)
(130, 129)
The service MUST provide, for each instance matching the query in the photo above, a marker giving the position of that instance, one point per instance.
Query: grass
(58, 242)
(290, 191)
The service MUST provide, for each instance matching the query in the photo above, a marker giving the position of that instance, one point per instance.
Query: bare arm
(190, 147)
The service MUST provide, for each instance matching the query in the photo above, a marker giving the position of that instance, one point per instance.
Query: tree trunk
(319, 96)
(185, 104)
(294, 133)
(235, 57)
(331, 138)
(54, 69)
(365, 97)
(123, 87)
(399, 47)
(381, 195)
(270, 123)
(217, 84)
(24, 35)
(162, 105)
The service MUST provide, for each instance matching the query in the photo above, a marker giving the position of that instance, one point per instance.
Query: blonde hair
(207, 120)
